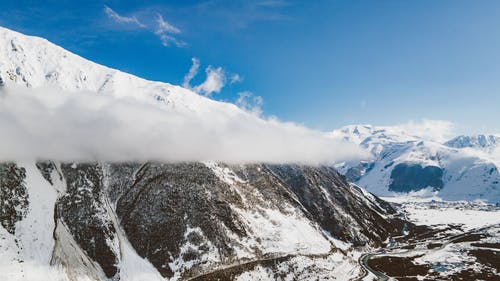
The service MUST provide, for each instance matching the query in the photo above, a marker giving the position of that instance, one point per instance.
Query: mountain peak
(34, 62)
(474, 141)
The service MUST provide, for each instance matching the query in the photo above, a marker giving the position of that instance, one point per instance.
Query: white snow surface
(32, 253)
(435, 211)
(470, 164)
(26, 256)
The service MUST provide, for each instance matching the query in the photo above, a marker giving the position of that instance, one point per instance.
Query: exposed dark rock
(13, 195)
(83, 210)
(46, 168)
(167, 199)
(119, 178)
(490, 258)
(164, 201)
(174, 214)
(336, 204)
(413, 177)
(399, 266)
(487, 245)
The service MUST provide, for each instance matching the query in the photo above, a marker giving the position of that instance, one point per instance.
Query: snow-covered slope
(159, 221)
(78, 221)
(35, 62)
(486, 142)
(464, 168)
(74, 109)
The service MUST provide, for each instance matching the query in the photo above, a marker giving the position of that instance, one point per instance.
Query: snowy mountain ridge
(107, 115)
(34, 62)
(407, 161)
(488, 142)
(143, 220)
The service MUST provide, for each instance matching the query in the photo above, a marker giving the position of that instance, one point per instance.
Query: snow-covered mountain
(486, 142)
(35, 62)
(463, 168)
(158, 221)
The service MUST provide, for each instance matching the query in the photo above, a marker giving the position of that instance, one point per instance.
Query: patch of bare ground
(487, 245)
(470, 274)
(433, 245)
(399, 266)
(231, 273)
(487, 257)
(423, 232)
(471, 238)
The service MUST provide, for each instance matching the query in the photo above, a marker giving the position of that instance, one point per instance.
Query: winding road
(381, 276)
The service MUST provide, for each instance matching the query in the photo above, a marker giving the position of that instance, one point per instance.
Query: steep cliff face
(189, 219)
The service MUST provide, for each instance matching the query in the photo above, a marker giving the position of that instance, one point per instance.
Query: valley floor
(462, 243)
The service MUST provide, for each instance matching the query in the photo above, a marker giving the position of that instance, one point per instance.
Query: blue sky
(324, 64)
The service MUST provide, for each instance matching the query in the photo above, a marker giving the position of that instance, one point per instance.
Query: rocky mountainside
(158, 221)
(463, 168)
(100, 221)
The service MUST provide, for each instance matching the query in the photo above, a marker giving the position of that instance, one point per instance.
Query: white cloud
(236, 78)
(250, 103)
(49, 124)
(164, 30)
(215, 81)
(193, 71)
(167, 40)
(496, 155)
(164, 26)
(161, 28)
(436, 130)
(122, 19)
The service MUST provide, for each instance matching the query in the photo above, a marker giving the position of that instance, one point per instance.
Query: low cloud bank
(50, 124)
(496, 156)
(435, 130)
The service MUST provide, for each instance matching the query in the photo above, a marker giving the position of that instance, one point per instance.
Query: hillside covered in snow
(101, 179)
(59, 106)
(420, 161)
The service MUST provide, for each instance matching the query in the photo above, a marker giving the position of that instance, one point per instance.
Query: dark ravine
(188, 211)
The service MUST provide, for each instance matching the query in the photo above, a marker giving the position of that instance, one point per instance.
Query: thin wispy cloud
(165, 27)
(193, 71)
(165, 31)
(122, 19)
(236, 78)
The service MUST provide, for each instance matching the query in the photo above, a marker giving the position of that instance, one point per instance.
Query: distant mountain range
(402, 162)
